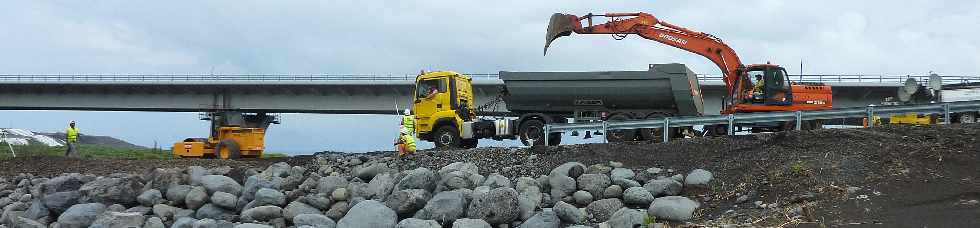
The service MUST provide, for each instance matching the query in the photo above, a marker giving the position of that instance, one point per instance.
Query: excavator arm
(649, 27)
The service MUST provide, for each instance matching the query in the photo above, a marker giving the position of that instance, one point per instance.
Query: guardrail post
(799, 120)
(547, 132)
(605, 137)
(871, 116)
(946, 113)
(731, 124)
(665, 130)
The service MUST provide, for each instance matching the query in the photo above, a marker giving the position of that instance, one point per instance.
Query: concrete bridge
(328, 94)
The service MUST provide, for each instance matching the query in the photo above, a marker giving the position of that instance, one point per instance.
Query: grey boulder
(499, 206)
(417, 223)
(675, 208)
(81, 215)
(544, 219)
(661, 187)
(419, 178)
(150, 198)
(268, 196)
(569, 213)
(406, 202)
(444, 207)
(314, 220)
(602, 209)
(625, 217)
(218, 183)
(369, 213)
(698, 178)
(262, 213)
(637, 196)
(297, 208)
(470, 223)
(119, 219)
(121, 190)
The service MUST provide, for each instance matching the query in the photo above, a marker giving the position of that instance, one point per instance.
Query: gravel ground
(894, 176)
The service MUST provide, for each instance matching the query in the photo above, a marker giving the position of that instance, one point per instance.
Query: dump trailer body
(665, 88)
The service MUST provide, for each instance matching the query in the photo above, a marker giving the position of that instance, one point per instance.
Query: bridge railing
(864, 78)
(222, 77)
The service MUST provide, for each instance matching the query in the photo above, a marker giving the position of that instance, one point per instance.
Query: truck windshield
(427, 87)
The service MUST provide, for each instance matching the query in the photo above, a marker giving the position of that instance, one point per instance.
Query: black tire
(554, 139)
(469, 143)
(234, 151)
(716, 130)
(446, 137)
(620, 135)
(532, 130)
(653, 134)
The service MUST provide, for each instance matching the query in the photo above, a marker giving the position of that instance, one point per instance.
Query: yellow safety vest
(408, 122)
(409, 143)
(72, 135)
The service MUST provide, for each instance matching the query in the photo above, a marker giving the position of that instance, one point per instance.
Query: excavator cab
(775, 88)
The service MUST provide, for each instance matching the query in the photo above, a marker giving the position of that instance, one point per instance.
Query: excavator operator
(758, 86)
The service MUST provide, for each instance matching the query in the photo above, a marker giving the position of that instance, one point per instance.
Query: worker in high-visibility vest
(405, 143)
(408, 122)
(71, 139)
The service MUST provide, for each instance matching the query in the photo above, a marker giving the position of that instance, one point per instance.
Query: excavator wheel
(228, 149)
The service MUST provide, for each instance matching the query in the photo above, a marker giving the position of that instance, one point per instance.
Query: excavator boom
(735, 74)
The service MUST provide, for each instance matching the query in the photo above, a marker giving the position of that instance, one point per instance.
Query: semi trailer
(446, 114)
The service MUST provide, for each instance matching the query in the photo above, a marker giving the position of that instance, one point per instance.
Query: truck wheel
(532, 130)
(620, 135)
(446, 137)
(228, 149)
(653, 134)
(967, 118)
(469, 143)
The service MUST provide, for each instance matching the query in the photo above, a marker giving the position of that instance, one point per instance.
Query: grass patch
(87, 151)
(273, 155)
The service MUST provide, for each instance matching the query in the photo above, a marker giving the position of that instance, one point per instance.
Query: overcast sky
(259, 37)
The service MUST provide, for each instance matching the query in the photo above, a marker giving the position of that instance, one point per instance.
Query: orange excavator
(775, 93)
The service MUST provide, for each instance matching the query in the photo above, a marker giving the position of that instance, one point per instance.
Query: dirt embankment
(893, 176)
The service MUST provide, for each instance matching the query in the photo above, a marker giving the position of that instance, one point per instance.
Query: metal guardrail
(870, 78)
(799, 116)
(408, 77)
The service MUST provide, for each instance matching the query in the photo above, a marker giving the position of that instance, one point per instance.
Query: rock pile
(358, 193)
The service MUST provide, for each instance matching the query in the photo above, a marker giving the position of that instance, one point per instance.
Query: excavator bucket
(559, 26)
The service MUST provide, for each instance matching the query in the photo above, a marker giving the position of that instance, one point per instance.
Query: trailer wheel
(620, 135)
(446, 137)
(469, 143)
(653, 134)
(967, 118)
(228, 149)
(532, 130)
(716, 130)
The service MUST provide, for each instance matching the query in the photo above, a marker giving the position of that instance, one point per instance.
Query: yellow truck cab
(443, 101)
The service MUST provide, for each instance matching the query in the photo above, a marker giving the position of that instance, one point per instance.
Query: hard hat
(72, 122)
(408, 112)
